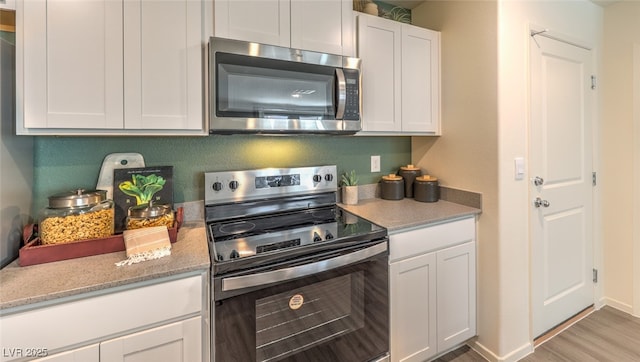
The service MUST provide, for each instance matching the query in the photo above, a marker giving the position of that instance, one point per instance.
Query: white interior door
(561, 155)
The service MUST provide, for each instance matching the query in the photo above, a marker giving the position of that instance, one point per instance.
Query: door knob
(540, 202)
(538, 181)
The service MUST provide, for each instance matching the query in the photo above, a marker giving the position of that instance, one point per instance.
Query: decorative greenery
(350, 178)
(398, 14)
(142, 187)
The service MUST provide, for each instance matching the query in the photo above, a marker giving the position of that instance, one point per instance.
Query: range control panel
(235, 186)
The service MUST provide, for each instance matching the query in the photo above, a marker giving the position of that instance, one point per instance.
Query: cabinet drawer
(431, 238)
(94, 318)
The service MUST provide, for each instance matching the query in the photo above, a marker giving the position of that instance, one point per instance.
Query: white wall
(466, 155)
(580, 21)
(619, 151)
(485, 126)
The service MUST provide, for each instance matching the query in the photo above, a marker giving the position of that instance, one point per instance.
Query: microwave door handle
(341, 86)
(280, 275)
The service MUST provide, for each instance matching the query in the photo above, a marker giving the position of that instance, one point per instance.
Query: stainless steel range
(294, 277)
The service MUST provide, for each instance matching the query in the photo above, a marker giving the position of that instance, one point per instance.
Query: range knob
(328, 177)
(217, 186)
(317, 178)
(316, 237)
(328, 235)
(233, 185)
(234, 254)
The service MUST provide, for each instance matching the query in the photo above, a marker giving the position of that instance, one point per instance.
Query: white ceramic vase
(350, 195)
(371, 8)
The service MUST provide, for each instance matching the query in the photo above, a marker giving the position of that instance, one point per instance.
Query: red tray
(35, 253)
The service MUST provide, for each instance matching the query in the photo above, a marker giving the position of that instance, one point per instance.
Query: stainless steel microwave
(258, 88)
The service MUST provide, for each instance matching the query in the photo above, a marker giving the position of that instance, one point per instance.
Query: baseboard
(623, 307)
(513, 356)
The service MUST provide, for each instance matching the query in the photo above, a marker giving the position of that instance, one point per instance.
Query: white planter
(350, 195)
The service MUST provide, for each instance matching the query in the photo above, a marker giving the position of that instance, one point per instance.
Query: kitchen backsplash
(65, 163)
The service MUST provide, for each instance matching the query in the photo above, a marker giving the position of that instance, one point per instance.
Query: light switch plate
(375, 163)
(519, 168)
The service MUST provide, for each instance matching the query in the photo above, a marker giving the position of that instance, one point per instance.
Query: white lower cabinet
(89, 353)
(176, 342)
(433, 289)
(163, 320)
(413, 308)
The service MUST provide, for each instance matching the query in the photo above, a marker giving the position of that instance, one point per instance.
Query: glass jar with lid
(148, 215)
(76, 215)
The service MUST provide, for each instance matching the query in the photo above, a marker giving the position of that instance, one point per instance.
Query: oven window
(291, 322)
(337, 315)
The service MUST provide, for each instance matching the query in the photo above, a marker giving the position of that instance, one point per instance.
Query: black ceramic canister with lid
(392, 187)
(409, 174)
(426, 189)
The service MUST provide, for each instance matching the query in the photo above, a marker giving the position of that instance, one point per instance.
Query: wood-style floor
(605, 335)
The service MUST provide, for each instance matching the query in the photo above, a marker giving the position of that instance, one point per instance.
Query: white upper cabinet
(318, 25)
(69, 58)
(107, 67)
(379, 47)
(420, 80)
(163, 65)
(325, 26)
(401, 77)
(260, 21)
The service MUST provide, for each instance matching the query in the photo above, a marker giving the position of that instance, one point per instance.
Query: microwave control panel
(352, 106)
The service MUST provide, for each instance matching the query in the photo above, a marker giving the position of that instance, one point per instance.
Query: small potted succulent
(350, 188)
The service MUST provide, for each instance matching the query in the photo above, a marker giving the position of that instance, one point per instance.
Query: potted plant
(350, 188)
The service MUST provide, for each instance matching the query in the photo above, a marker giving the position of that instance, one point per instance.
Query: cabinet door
(69, 64)
(413, 308)
(163, 48)
(379, 46)
(261, 21)
(456, 295)
(8, 4)
(322, 26)
(180, 341)
(420, 80)
(84, 354)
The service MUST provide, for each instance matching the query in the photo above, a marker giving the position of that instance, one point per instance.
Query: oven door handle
(280, 275)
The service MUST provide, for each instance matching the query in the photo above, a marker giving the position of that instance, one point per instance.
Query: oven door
(332, 308)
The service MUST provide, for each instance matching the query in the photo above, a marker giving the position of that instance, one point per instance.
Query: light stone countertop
(21, 286)
(399, 215)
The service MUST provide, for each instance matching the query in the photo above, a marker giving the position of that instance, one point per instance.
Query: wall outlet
(375, 163)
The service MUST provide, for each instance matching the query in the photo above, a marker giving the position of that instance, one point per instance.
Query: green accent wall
(67, 163)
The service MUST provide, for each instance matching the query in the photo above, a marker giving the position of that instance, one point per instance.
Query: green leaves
(142, 187)
(350, 178)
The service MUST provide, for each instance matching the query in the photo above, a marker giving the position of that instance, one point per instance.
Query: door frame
(636, 178)
(598, 263)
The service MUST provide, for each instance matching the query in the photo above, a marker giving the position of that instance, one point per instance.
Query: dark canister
(426, 189)
(409, 174)
(392, 187)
